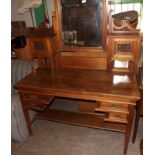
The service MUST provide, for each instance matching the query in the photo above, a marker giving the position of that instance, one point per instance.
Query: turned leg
(136, 125)
(26, 115)
(129, 127)
(138, 113)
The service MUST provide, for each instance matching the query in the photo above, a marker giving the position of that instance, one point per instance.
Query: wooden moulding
(124, 28)
(83, 62)
(81, 119)
(85, 106)
(79, 59)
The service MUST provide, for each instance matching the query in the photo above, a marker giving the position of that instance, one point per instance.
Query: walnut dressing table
(115, 95)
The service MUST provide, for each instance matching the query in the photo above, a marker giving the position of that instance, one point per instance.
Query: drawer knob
(117, 116)
(114, 105)
(33, 97)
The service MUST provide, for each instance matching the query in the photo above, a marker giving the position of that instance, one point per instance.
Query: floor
(52, 138)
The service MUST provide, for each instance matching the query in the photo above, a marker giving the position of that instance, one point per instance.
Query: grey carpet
(51, 138)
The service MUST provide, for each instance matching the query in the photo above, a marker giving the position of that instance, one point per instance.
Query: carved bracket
(125, 27)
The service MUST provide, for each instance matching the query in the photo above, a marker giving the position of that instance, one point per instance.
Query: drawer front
(117, 117)
(86, 106)
(36, 102)
(112, 106)
(126, 46)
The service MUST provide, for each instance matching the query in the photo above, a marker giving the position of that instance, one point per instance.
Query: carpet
(52, 138)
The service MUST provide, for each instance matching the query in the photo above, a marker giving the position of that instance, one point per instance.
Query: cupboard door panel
(83, 62)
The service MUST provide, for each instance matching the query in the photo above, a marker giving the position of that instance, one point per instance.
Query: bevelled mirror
(81, 22)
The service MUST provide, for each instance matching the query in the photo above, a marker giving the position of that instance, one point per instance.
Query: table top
(81, 83)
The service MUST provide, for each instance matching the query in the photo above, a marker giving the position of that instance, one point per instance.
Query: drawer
(112, 107)
(87, 106)
(116, 117)
(36, 102)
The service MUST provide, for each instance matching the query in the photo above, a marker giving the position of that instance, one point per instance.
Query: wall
(27, 16)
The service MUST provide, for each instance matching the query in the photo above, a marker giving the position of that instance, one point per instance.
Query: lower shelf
(81, 119)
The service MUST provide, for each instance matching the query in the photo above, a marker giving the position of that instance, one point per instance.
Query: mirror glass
(81, 23)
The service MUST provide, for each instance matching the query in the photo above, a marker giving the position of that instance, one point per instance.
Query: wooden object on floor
(115, 94)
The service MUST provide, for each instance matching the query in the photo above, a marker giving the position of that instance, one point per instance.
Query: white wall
(27, 16)
(16, 17)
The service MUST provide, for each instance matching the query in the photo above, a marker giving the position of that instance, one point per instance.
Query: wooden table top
(81, 83)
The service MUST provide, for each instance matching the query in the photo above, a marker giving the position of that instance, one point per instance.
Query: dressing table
(84, 70)
(116, 96)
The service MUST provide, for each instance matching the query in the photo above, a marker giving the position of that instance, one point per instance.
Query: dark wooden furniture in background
(115, 95)
(18, 28)
(41, 46)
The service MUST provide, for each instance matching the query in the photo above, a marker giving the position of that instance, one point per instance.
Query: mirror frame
(58, 25)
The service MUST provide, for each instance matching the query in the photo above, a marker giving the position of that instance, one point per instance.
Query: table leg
(26, 115)
(129, 127)
(135, 126)
(138, 114)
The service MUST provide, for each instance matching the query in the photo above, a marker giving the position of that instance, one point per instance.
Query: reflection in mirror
(81, 23)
